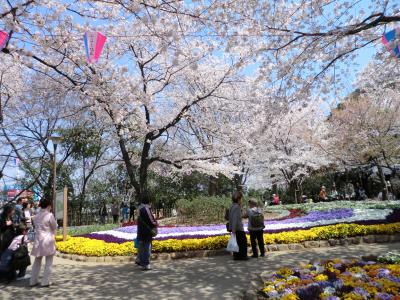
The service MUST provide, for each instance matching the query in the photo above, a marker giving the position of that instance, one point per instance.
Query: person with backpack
(16, 256)
(256, 228)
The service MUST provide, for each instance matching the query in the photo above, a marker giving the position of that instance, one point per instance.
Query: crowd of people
(20, 224)
(24, 222)
(123, 210)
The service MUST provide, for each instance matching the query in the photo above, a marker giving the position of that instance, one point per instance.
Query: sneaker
(262, 255)
(146, 268)
(23, 277)
(46, 285)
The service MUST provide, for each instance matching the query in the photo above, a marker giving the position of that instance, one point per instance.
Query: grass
(78, 230)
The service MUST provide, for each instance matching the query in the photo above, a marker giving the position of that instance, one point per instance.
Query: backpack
(257, 220)
(21, 257)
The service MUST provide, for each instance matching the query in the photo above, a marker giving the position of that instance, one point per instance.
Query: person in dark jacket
(115, 211)
(146, 230)
(7, 228)
(132, 208)
(236, 226)
(103, 213)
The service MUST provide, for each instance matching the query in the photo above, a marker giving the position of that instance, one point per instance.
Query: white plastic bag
(232, 244)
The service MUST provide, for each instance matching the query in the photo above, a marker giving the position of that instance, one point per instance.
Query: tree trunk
(144, 168)
(130, 168)
(293, 187)
(212, 185)
(238, 180)
(383, 182)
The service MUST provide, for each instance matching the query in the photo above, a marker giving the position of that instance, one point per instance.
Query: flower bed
(308, 207)
(312, 219)
(335, 279)
(317, 224)
(95, 247)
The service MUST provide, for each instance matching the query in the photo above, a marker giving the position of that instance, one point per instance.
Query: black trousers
(257, 236)
(242, 243)
(115, 218)
(132, 215)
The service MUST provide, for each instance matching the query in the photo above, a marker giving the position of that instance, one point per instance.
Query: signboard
(59, 209)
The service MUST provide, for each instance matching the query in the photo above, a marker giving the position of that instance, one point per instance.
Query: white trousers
(47, 270)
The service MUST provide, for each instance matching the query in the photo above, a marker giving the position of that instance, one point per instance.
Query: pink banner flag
(94, 43)
(391, 40)
(3, 39)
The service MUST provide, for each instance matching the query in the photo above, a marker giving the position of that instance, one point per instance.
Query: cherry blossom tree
(291, 147)
(153, 78)
(365, 129)
(305, 46)
(173, 72)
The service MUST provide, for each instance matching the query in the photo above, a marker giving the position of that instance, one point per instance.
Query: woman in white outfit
(44, 244)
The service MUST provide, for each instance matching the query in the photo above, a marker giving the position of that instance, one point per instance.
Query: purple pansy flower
(384, 296)
(361, 292)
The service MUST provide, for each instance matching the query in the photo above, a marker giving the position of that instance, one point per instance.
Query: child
(7, 270)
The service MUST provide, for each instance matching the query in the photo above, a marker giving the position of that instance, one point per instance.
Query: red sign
(13, 192)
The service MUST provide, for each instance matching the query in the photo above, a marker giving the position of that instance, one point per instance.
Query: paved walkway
(206, 278)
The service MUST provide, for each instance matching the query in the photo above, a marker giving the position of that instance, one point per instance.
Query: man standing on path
(146, 231)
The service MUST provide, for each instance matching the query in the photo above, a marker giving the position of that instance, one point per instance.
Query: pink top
(17, 241)
(45, 227)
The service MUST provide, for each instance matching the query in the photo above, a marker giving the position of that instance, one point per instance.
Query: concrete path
(206, 278)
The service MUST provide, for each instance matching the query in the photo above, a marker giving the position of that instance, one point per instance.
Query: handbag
(153, 231)
(136, 243)
(21, 258)
(232, 244)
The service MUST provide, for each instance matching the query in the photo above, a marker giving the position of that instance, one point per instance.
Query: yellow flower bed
(92, 247)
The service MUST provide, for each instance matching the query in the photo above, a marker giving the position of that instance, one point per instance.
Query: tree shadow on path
(206, 278)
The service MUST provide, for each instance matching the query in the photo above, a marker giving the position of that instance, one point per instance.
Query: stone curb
(207, 253)
(251, 293)
(154, 256)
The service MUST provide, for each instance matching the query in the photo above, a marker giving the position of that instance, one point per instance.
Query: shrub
(202, 210)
